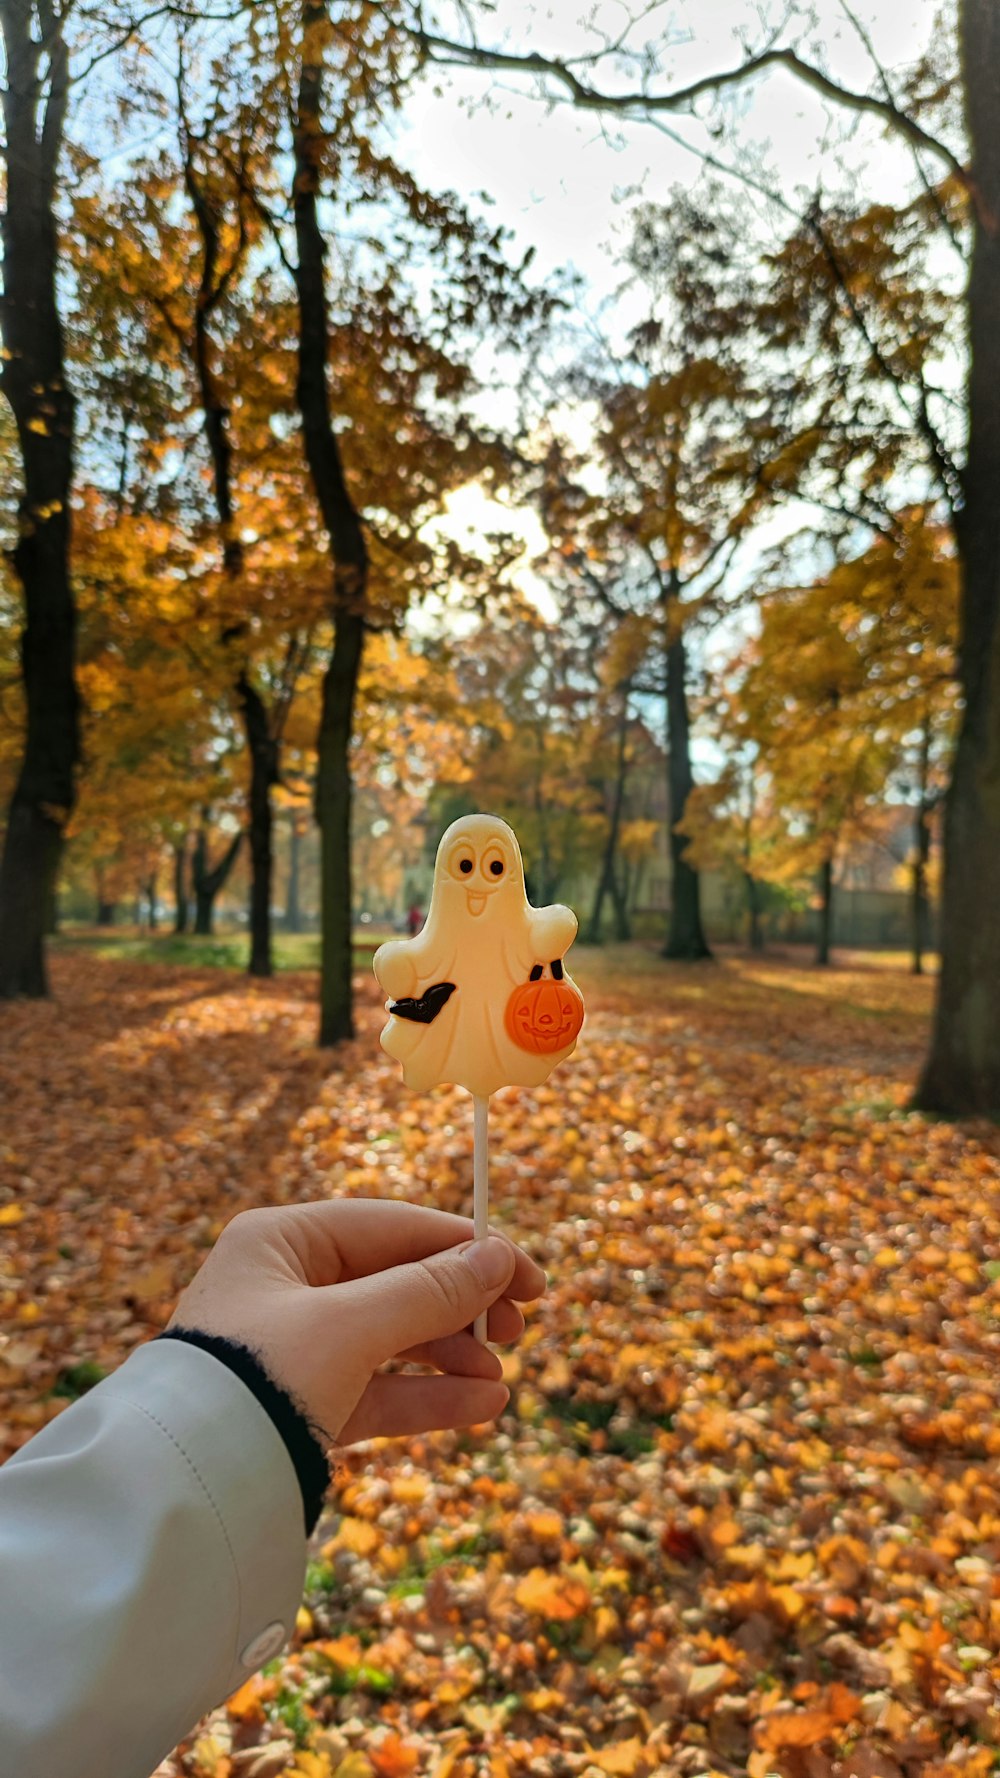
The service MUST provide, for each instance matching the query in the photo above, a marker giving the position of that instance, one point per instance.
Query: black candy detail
(538, 971)
(424, 1011)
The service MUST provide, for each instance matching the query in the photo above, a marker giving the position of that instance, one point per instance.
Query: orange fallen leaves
(555, 1596)
(544, 1527)
(621, 1760)
(807, 1728)
(247, 1705)
(393, 1757)
(357, 1535)
(316, 1765)
(341, 1651)
(784, 1604)
(744, 1511)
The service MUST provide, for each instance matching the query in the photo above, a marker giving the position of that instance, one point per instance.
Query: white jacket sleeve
(152, 1554)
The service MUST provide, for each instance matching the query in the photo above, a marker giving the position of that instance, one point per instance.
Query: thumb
(433, 1297)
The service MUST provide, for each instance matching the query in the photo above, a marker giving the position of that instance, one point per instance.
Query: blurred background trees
(253, 364)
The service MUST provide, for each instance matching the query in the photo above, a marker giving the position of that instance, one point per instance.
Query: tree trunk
(962, 1072)
(755, 929)
(686, 940)
(208, 880)
(151, 900)
(261, 742)
(106, 912)
(263, 776)
(619, 901)
(825, 912)
(348, 550)
(34, 383)
(293, 910)
(607, 883)
(919, 915)
(180, 887)
(919, 904)
(333, 811)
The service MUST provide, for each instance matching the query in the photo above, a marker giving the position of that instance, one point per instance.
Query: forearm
(152, 1552)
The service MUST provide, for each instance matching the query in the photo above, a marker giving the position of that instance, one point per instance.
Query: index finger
(347, 1238)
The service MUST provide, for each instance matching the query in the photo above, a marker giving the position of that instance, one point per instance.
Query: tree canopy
(251, 354)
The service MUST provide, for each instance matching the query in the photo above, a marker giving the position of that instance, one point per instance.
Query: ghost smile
(476, 900)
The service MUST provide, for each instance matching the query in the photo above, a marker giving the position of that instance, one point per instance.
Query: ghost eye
(461, 861)
(494, 864)
(496, 868)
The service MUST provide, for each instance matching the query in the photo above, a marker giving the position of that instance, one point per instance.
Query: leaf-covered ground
(743, 1514)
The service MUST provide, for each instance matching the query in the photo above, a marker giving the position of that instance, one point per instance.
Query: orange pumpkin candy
(543, 1017)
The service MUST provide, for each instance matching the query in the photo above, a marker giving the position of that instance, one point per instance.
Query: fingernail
(492, 1261)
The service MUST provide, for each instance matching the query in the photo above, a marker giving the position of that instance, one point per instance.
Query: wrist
(301, 1439)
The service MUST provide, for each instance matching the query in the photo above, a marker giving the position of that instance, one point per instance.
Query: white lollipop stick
(480, 1186)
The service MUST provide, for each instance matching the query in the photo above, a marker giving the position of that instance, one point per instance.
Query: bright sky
(470, 515)
(556, 177)
(563, 181)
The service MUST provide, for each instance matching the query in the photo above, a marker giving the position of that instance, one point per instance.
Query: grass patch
(77, 1379)
(584, 1418)
(866, 1356)
(361, 1678)
(290, 1709)
(320, 1577)
(221, 951)
(417, 1572)
(877, 1107)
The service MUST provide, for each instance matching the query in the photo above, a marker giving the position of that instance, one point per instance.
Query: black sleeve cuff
(304, 1449)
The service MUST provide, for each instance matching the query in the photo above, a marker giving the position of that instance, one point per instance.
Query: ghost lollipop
(479, 998)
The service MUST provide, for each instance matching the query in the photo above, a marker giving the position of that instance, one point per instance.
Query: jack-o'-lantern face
(543, 1017)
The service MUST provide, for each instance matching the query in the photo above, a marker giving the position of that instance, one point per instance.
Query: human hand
(326, 1293)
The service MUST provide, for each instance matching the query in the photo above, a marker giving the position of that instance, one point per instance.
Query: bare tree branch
(190, 15)
(935, 197)
(444, 51)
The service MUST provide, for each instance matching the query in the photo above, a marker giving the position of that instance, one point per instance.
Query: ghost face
(478, 861)
(480, 870)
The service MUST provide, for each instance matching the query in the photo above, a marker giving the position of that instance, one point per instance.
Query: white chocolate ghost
(483, 938)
